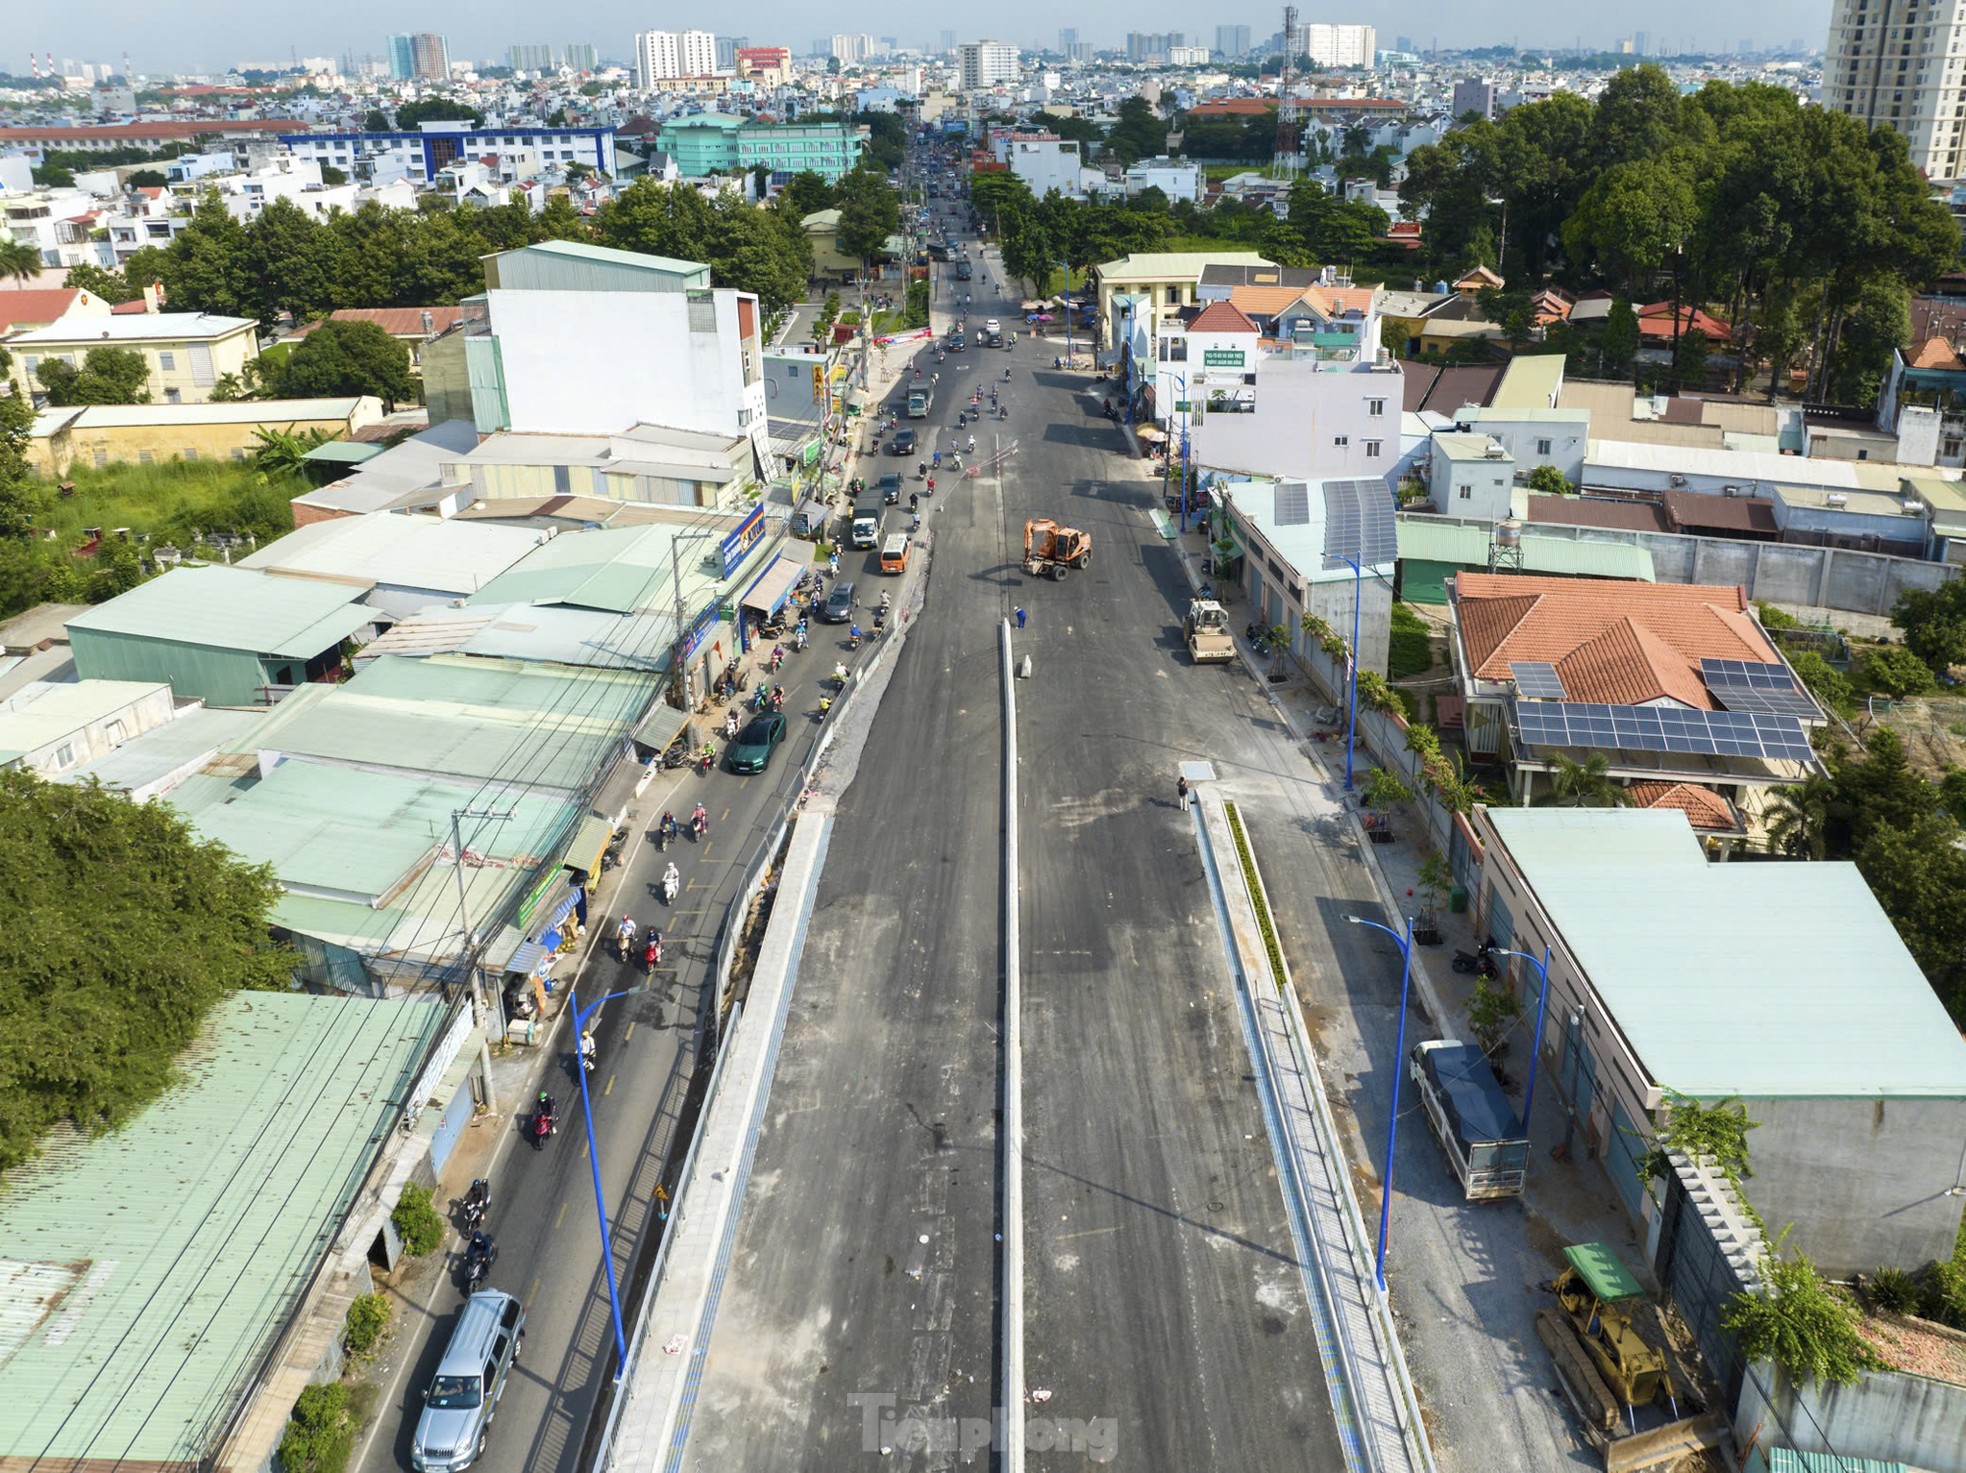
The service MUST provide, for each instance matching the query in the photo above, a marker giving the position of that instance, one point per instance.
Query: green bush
(368, 1317)
(1411, 652)
(1824, 681)
(1942, 1293)
(1774, 618)
(1894, 670)
(321, 1434)
(1800, 1323)
(418, 1222)
(1895, 1290)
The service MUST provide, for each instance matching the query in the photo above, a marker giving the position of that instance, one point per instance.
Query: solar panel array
(1538, 680)
(1662, 729)
(1293, 504)
(1358, 523)
(1750, 685)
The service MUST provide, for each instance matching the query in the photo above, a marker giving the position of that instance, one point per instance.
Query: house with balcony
(185, 353)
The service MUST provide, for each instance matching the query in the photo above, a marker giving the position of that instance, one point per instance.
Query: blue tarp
(1469, 1094)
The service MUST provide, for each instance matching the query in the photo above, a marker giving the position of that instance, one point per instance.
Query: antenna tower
(1283, 162)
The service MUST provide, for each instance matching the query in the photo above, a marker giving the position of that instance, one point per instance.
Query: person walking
(1020, 618)
(1181, 788)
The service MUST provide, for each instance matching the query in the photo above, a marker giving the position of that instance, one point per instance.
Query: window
(1466, 493)
(190, 453)
(238, 453)
(64, 756)
(1542, 447)
(172, 396)
(113, 730)
(102, 458)
(167, 361)
(1372, 449)
(144, 457)
(1375, 408)
(1341, 441)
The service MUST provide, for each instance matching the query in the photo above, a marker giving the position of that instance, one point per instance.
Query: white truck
(1478, 1128)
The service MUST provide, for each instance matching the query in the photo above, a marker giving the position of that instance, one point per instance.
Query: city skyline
(222, 33)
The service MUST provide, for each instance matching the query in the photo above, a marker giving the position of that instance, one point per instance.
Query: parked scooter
(1481, 960)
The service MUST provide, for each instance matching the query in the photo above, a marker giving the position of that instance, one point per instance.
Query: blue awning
(768, 594)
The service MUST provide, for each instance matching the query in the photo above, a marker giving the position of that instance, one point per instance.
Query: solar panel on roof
(1751, 685)
(1538, 680)
(1358, 523)
(1293, 507)
(1774, 737)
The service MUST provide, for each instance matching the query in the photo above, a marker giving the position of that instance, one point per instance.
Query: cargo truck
(920, 397)
(1478, 1127)
(866, 528)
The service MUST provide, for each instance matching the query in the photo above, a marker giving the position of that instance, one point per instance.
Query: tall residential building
(1152, 45)
(580, 56)
(1888, 72)
(529, 58)
(660, 55)
(1068, 37)
(1474, 95)
(1328, 45)
(1232, 41)
(986, 63)
(402, 62)
(421, 54)
(727, 49)
(852, 50)
(948, 43)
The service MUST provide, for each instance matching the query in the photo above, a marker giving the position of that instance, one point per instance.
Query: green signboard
(1222, 358)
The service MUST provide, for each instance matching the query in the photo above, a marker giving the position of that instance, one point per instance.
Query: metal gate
(450, 1128)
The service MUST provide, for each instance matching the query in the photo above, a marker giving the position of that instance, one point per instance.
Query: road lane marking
(560, 1219)
(608, 1088)
(630, 1033)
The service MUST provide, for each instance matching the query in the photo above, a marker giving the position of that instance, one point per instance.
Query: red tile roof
(35, 307)
(1232, 107)
(1613, 642)
(1221, 317)
(398, 322)
(1934, 353)
(1585, 511)
(1704, 808)
(143, 132)
(1655, 321)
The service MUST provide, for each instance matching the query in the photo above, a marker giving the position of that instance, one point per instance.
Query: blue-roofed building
(1782, 985)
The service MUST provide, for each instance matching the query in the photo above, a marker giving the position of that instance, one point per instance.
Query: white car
(991, 326)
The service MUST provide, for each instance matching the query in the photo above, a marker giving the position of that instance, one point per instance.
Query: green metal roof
(235, 609)
(1789, 1460)
(1603, 1272)
(150, 1269)
(618, 569)
(1757, 980)
(1428, 539)
(344, 452)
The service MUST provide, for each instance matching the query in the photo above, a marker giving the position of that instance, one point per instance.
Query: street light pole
(1399, 1068)
(1351, 717)
(580, 1017)
(1542, 1005)
(475, 972)
(1067, 294)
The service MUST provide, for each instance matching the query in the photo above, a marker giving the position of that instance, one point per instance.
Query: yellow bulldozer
(1609, 1370)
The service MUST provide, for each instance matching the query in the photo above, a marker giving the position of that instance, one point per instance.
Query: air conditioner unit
(1675, 480)
(1494, 452)
(1836, 498)
(1730, 490)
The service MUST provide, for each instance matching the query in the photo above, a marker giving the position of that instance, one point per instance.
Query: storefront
(552, 920)
(768, 593)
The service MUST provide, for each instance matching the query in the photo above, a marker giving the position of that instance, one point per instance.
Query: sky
(165, 36)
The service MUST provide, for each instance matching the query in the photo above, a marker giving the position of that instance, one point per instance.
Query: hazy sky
(209, 35)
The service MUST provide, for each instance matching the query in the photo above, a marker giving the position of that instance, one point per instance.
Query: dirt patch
(1919, 1346)
(1934, 731)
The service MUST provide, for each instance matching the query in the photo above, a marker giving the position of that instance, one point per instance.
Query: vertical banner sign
(749, 533)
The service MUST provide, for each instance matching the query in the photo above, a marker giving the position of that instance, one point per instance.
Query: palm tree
(1586, 784)
(19, 260)
(1796, 820)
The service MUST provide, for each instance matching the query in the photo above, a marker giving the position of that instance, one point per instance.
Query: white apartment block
(851, 50)
(1898, 64)
(985, 63)
(1328, 45)
(660, 55)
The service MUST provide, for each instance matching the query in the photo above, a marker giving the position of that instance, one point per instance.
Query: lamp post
(1067, 294)
(1542, 1002)
(580, 1017)
(1351, 659)
(1399, 1068)
(1182, 402)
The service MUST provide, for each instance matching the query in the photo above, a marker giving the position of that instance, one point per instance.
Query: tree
(1073, 128)
(1796, 820)
(1632, 220)
(124, 929)
(870, 212)
(436, 110)
(1934, 623)
(1638, 116)
(21, 498)
(282, 452)
(806, 192)
(1491, 1012)
(1879, 790)
(111, 286)
(19, 261)
(330, 175)
(1797, 1321)
(1874, 325)
(1549, 481)
(286, 266)
(202, 267)
(1894, 670)
(1917, 871)
(1619, 344)
(107, 376)
(1137, 133)
(339, 358)
(148, 179)
(1823, 681)
(376, 121)
(1586, 784)
(1689, 360)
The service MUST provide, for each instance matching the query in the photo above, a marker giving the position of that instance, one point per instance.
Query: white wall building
(982, 64)
(1046, 164)
(1470, 476)
(1329, 45)
(1896, 64)
(664, 54)
(1178, 181)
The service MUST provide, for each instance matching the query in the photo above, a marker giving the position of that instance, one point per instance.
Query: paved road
(543, 1202)
(1162, 1294)
(864, 1267)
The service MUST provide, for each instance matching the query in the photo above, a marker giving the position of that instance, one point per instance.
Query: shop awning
(1151, 432)
(772, 586)
(590, 841)
(659, 727)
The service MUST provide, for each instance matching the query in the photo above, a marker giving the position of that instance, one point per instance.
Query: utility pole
(471, 948)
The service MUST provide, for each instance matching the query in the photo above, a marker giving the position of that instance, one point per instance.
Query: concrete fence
(1773, 572)
(1893, 1416)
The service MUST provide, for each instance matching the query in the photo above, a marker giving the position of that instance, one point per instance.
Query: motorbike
(853, 639)
(921, 469)
(777, 657)
(479, 1256)
(799, 642)
(542, 1124)
(477, 1200)
(672, 881)
(707, 759)
(652, 955)
(699, 823)
(611, 856)
(1479, 961)
(666, 831)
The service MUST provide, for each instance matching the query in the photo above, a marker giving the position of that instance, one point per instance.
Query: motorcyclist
(972, 445)
(670, 828)
(652, 952)
(625, 934)
(477, 1201)
(672, 881)
(700, 819)
(479, 1255)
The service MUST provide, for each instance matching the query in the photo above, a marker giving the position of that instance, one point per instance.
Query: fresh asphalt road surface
(1161, 1290)
(542, 1213)
(863, 1274)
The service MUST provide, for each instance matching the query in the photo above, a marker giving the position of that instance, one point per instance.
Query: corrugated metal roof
(152, 756)
(1529, 382)
(1789, 1460)
(1173, 265)
(234, 609)
(42, 712)
(1759, 980)
(400, 550)
(614, 569)
(592, 638)
(1428, 540)
(147, 1270)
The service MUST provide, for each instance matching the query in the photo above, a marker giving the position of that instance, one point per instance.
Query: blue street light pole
(1182, 380)
(1542, 1003)
(1399, 1068)
(1068, 312)
(580, 1017)
(1351, 717)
